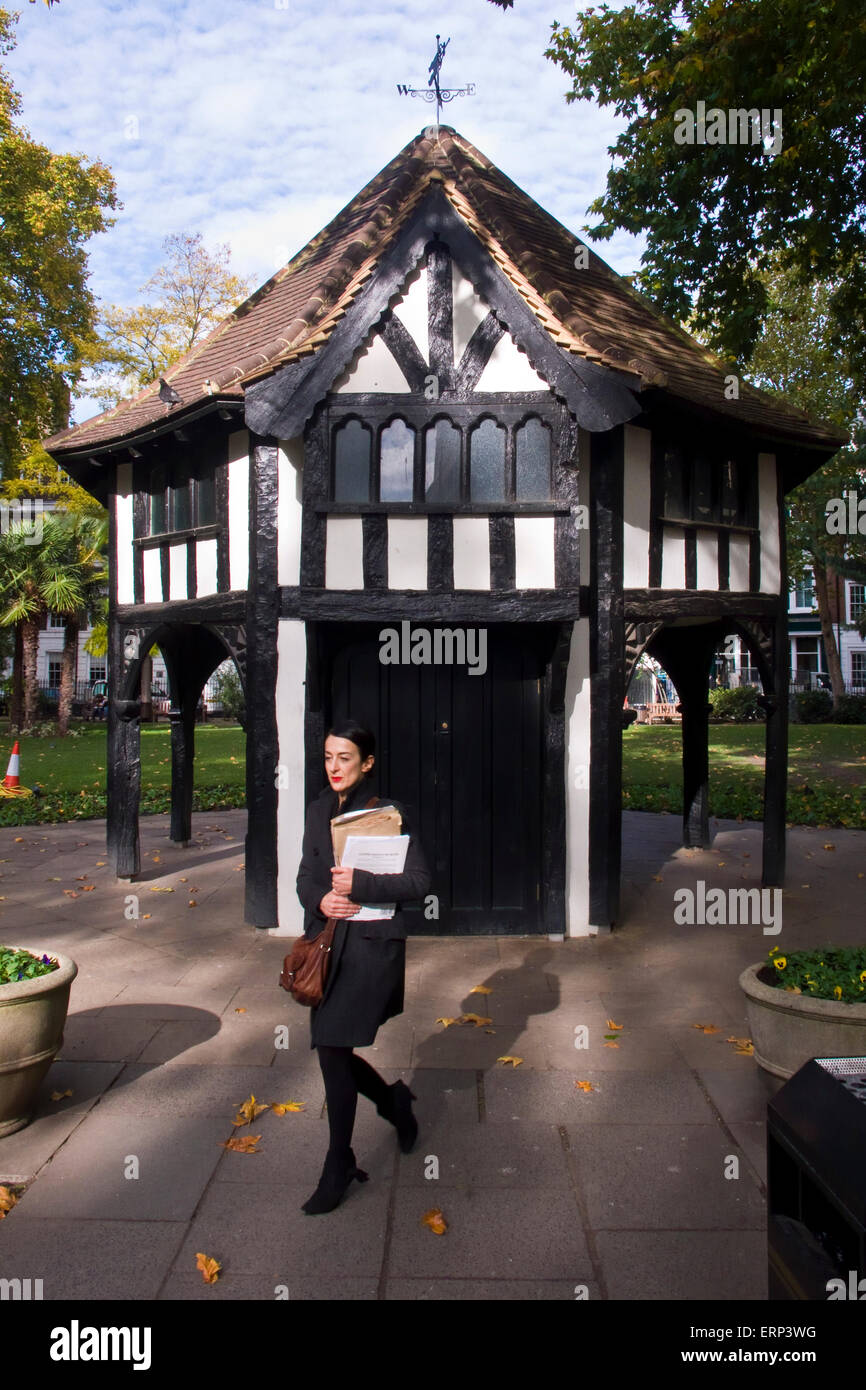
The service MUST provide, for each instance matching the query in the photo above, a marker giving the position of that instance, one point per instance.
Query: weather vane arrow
(433, 91)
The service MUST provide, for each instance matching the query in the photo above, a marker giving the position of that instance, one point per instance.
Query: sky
(255, 121)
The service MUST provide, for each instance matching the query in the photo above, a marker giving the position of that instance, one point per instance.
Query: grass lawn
(826, 772)
(827, 766)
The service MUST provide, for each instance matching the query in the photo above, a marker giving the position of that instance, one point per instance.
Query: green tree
(795, 357)
(716, 214)
(188, 296)
(50, 206)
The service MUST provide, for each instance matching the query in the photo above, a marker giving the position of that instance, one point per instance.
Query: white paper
(378, 854)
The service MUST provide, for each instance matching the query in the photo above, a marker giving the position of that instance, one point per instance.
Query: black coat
(366, 973)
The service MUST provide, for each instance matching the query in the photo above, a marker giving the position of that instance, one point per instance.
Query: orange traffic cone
(11, 784)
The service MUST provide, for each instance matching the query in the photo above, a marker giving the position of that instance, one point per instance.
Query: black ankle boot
(337, 1175)
(399, 1112)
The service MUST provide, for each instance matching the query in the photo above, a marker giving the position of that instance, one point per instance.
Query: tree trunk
(16, 705)
(68, 674)
(30, 642)
(822, 594)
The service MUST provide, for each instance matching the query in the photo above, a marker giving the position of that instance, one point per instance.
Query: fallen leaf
(89, 888)
(611, 1044)
(515, 1061)
(192, 903)
(248, 1111)
(490, 1030)
(658, 878)
(584, 1085)
(721, 864)
(70, 892)
(614, 1026)
(284, 1106)
(155, 888)
(447, 1021)
(209, 1267)
(829, 846)
(476, 1019)
(480, 989)
(610, 1037)
(100, 863)
(145, 916)
(240, 1011)
(60, 1095)
(706, 1027)
(435, 1221)
(242, 1144)
(19, 839)
(7, 1200)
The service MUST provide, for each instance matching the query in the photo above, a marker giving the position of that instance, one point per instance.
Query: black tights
(345, 1075)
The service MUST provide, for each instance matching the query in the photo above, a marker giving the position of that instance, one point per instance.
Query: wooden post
(182, 721)
(262, 617)
(607, 675)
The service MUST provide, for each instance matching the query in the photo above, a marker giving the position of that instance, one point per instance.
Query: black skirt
(365, 989)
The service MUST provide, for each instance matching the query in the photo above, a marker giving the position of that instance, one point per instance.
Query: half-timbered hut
(446, 421)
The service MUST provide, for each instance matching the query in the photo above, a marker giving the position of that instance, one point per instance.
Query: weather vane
(433, 91)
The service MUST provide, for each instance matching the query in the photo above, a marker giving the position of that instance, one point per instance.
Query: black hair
(356, 733)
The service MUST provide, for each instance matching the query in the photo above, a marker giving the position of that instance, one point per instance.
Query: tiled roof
(591, 312)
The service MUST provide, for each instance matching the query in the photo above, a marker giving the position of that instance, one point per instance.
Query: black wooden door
(464, 752)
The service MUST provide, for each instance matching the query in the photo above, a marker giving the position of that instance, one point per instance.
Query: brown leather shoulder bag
(305, 968)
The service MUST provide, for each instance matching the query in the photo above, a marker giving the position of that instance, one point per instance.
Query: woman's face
(343, 763)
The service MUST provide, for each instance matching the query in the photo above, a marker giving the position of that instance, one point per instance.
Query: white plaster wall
(407, 552)
(471, 552)
(344, 553)
(673, 558)
(177, 570)
(290, 476)
(738, 552)
(636, 508)
(411, 309)
(291, 670)
(577, 757)
(124, 559)
(239, 509)
(534, 552)
(508, 369)
(707, 548)
(152, 576)
(373, 368)
(469, 311)
(768, 521)
(206, 566)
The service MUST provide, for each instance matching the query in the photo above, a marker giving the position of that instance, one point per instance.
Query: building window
(808, 657)
(56, 620)
(180, 503)
(442, 462)
(532, 449)
(55, 666)
(98, 671)
(804, 593)
(858, 669)
(487, 463)
(856, 602)
(397, 463)
(352, 451)
(709, 485)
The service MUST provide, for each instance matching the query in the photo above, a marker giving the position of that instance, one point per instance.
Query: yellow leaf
(490, 1030)
(480, 989)
(193, 903)
(155, 888)
(614, 1027)
(829, 846)
(70, 892)
(240, 1011)
(706, 1027)
(7, 1200)
(281, 1107)
(60, 1095)
(209, 1267)
(447, 1021)
(515, 1061)
(145, 916)
(476, 1019)
(584, 1085)
(249, 1111)
(435, 1221)
(242, 1144)
(88, 888)
(658, 878)
(100, 863)
(611, 1044)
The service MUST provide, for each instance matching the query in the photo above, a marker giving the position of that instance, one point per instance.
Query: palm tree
(87, 536)
(37, 577)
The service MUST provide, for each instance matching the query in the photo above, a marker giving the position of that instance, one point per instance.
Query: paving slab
(711, 1266)
(121, 1260)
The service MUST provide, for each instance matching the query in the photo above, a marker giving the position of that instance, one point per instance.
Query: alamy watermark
(846, 515)
(26, 511)
(440, 646)
(738, 126)
(718, 907)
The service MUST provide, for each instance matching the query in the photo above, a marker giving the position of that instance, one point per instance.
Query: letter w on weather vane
(433, 91)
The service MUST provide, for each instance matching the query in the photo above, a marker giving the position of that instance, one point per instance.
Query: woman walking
(365, 980)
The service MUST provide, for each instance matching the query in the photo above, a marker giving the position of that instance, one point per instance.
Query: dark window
(487, 463)
(158, 507)
(702, 492)
(182, 504)
(533, 462)
(676, 484)
(352, 462)
(205, 500)
(180, 512)
(397, 463)
(710, 485)
(442, 462)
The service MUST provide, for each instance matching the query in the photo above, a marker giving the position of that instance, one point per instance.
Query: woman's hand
(338, 905)
(341, 881)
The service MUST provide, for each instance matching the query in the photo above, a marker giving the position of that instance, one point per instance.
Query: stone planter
(787, 1029)
(32, 1018)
